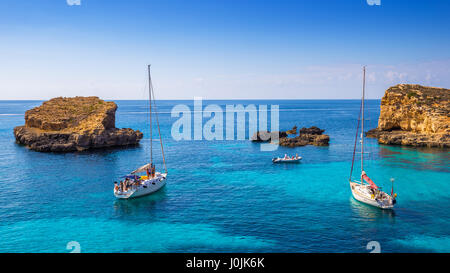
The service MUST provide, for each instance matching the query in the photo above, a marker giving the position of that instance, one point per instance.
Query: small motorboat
(287, 159)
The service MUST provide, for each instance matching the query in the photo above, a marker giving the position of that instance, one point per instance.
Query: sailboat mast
(362, 122)
(150, 101)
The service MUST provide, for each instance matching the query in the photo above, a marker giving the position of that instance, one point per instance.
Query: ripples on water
(223, 196)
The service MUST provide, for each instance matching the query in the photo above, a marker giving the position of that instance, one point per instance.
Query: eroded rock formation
(414, 115)
(307, 136)
(73, 124)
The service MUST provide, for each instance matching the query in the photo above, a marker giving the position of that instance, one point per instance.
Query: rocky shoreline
(306, 136)
(73, 124)
(414, 115)
(398, 137)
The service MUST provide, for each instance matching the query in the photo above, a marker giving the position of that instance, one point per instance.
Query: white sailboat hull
(362, 194)
(145, 188)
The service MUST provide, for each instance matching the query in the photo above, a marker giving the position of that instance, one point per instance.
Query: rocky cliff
(73, 124)
(306, 136)
(414, 115)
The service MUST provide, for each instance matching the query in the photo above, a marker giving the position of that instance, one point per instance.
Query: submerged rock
(73, 124)
(414, 115)
(307, 136)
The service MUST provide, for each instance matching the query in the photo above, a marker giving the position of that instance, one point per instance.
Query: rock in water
(414, 115)
(73, 124)
(311, 131)
(265, 136)
(307, 136)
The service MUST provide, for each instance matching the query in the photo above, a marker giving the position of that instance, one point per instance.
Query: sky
(221, 49)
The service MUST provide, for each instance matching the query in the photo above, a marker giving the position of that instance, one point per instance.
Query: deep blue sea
(223, 196)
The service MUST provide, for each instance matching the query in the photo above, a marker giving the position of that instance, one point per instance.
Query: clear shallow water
(222, 196)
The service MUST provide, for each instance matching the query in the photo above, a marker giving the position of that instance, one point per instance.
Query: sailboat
(368, 193)
(135, 184)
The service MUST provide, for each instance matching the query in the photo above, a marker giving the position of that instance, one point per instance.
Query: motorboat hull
(360, 193)
(147, 187)
(288, 161)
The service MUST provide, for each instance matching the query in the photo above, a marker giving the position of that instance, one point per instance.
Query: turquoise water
(223, 196)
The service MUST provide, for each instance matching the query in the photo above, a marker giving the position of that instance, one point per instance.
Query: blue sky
(220, 49)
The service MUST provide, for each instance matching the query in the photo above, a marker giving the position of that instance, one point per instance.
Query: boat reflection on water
(371, 213)
(136, 206)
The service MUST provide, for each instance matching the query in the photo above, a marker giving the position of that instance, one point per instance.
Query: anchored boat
(368, 193)
(136, 183)
(287, 159)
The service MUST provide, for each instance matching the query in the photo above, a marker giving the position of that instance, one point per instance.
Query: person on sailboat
(116, 187)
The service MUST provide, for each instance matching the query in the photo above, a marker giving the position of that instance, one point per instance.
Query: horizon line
(184, 99)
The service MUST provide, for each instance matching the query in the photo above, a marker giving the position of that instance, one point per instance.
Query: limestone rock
(73, 124)
(414, 115)
(312, 131)
(265, 136)
(307, 136)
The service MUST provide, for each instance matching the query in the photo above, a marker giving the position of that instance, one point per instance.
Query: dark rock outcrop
(265, 136)
(305, 139)
(73, 124)
(293, 131)
(414, 115)
(311, 131)
(307, 136)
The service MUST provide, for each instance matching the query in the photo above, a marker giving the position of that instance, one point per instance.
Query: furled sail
(142, 169)
(368, 180)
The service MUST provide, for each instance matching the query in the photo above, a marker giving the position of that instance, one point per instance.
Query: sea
(223, 195)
